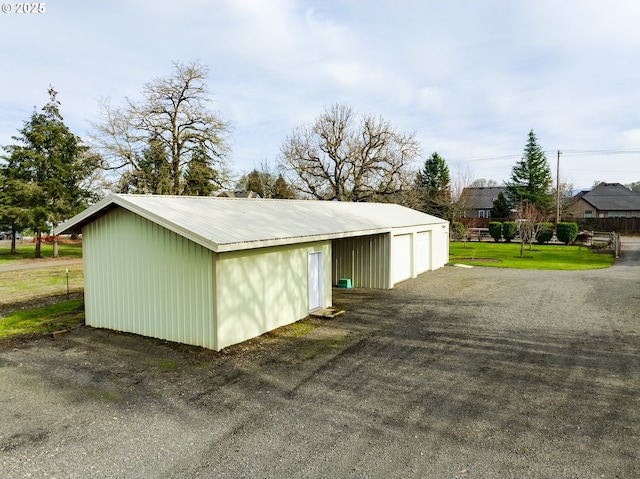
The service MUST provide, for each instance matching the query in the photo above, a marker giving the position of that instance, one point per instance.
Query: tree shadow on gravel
(392, 387)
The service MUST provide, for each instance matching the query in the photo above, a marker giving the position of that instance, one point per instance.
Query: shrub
(495, 230)
(457, 230)
(567, 232)
(544, 232)
(509, 229)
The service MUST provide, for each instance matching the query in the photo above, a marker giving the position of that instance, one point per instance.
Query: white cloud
(470, 78)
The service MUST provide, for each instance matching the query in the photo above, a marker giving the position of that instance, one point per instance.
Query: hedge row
(566, 232)
(545, 232)
(506, 230)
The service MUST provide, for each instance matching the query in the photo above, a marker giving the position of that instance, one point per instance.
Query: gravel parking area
(478, 372)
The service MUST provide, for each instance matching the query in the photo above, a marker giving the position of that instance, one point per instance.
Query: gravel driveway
(460, 373)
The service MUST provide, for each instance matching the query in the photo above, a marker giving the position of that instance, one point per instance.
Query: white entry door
(315, 280)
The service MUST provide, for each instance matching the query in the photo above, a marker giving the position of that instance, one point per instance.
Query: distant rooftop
(481, 198)
(612, 197)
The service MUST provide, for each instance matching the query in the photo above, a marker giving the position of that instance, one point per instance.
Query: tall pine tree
(47, 170)
(432, 184)
(531, 178)
(200, 178)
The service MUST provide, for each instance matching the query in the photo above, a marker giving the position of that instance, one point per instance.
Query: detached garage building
(213, 272)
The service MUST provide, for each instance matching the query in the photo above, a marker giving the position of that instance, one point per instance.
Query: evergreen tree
(432, 183)
(200, 178)
(266, 184)
(14, 199)
(282, 189)
(46, 171)
(152, 174)
(500, 208)
(256, 181)
(531, 178)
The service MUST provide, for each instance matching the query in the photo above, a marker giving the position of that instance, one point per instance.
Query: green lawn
(507, 255)
(20, 286)
(43, 320)
(26, 251)
(17, 286)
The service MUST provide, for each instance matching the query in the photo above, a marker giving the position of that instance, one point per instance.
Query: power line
(603, 152)
(611, 151)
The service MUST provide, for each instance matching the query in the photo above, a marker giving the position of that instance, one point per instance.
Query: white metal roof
(227, 224)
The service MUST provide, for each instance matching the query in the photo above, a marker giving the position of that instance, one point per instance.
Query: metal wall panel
(363, 259)
(262, 289)
(144, 279)
(440, 246)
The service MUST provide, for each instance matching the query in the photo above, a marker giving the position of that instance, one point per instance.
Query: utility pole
(558, 191)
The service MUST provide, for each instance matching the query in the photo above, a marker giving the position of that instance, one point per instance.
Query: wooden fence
(623, 226)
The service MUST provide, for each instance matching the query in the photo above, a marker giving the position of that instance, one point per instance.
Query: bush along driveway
(478, 372)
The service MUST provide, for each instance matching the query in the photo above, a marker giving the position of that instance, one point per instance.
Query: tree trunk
(38, 240)
(55, 246)
(13, 239)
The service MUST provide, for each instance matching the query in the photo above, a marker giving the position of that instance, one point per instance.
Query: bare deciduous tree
(342, 157)
(530, 223)
(173, 115)
(461, 177)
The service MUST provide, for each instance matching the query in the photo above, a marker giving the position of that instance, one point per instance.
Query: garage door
(423, 251)
(401, 258)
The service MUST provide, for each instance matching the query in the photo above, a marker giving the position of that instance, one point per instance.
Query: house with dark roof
(479, 201)
(607, 200)
(238, 194)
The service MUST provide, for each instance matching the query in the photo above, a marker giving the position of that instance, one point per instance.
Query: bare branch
(174, 115)
(339, 157)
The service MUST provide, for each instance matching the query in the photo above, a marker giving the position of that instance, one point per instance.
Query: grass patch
(166, 364)
(103, 395)
(26, 251)
(47, 319)
(294, 330)
(548, 257)
(16, 286)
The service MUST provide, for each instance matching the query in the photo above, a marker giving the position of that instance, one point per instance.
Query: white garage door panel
(423, 251)
(401, 258)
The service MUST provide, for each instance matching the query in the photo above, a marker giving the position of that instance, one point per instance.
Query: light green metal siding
(440, 246)
(144, 279)
(263, 289)
(379, 261)
(364, 260)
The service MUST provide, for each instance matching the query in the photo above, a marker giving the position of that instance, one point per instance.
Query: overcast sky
(470, 78)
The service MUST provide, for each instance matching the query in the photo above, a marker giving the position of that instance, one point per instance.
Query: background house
(238, 194)
(606, 200)
(478, 201)
(216, 271)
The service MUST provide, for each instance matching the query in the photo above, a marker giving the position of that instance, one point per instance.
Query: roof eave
(75, 224)
(228, 247)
